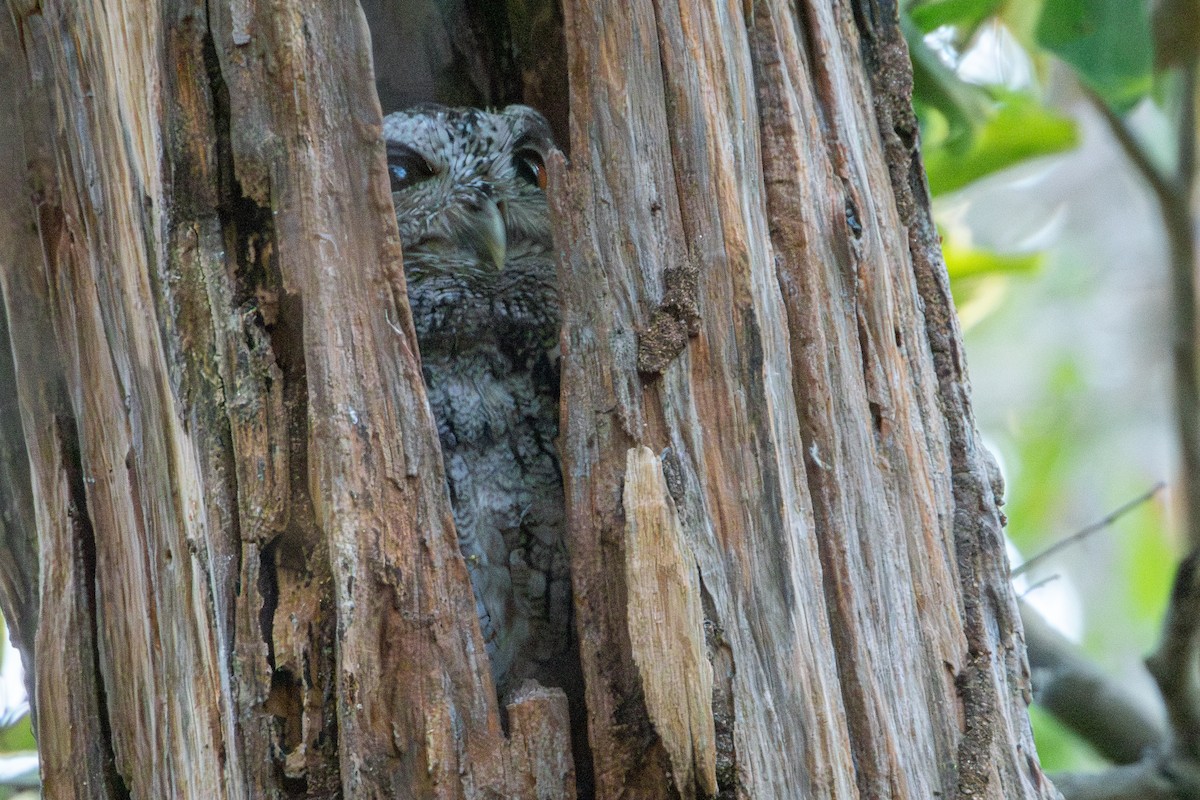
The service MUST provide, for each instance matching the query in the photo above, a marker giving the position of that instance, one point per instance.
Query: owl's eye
(406, 166)
(529, 166)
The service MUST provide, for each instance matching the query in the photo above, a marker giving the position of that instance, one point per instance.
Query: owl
(469, 190)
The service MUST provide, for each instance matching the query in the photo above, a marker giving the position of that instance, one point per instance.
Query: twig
(1177, 216)
(1102, 711)
(1085, 532)
(1033, 587)
(1159, 182)
(1174, 196)
(1141, 781)
(1186, 141)
(1173, 664)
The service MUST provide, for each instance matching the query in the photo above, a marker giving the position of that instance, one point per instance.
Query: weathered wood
(540, 763)
(788, 571)
(241, 513)
(77, 757)
(18, 518)
(841, 520)
(666, 623)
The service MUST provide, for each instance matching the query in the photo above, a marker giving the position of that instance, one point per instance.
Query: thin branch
(1172, 770)
(1174, 198)
(1087, 531)
(1173, 664)
(1177, 216)
(1186, 134)
(1141, 781)
(1154, 763)
(1033, 587)
(1119, 724)
(1161, 184)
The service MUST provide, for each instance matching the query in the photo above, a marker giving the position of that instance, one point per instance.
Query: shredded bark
(676, 320)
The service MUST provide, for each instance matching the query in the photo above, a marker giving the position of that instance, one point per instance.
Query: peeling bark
(666, 624)
(832, 487)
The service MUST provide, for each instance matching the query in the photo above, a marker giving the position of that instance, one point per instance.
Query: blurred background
(1059, 266)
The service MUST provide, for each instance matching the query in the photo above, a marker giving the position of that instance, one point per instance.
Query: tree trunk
(788, 566)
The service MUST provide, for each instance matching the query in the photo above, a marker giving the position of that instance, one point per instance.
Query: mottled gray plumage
(468, 188)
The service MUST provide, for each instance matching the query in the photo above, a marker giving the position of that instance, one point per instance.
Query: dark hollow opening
(483, 54)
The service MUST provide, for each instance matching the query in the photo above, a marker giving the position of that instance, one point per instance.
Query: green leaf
(17, 737)
(1106, 41)
(976, 299)
(964, 262)
(1017, 129)
(966, 15)
(978, 276)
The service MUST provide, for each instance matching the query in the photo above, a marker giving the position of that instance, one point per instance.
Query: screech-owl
(469, 190)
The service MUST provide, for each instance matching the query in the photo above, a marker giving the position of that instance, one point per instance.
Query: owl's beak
(488, 234)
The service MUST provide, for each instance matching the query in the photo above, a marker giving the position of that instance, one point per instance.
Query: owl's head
(469, 180)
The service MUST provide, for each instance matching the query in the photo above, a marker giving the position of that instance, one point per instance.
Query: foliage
(971, 131)
(1012, 128)
(17, 735)
(1119, 55)
(1107, 42)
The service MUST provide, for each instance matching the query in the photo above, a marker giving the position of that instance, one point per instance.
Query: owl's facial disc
(468, 183)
